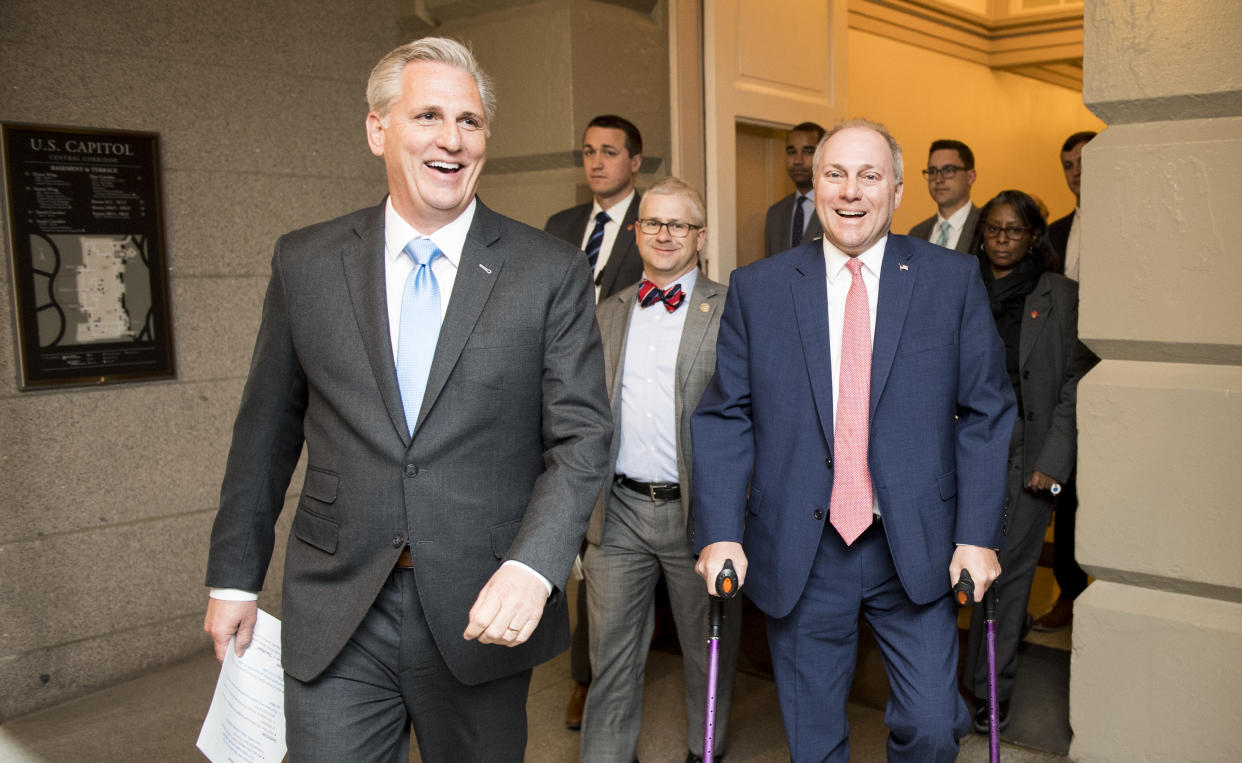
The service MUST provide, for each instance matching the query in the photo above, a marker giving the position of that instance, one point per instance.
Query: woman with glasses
(1036, 313)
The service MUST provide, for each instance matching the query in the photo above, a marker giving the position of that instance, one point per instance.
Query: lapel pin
(485, 269)
(903, 267)
(1034, 313)
(703, 308)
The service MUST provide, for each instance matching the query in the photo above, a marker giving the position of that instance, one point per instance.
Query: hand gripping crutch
(964, 593)
(726, 588)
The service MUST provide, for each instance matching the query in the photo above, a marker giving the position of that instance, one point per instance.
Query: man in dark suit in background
(792, 221)
(1065, 235)
(442, 365)
(860, 383)
(950, 173)
(612, 155)
(659, 353)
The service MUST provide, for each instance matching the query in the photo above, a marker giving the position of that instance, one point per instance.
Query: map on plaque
(86, 246)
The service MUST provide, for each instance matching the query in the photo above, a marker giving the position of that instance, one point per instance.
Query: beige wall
(1157, 655)
(1014, 124)
(109, 492)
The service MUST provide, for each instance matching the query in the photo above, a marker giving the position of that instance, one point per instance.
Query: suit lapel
(898, 273)
(624, 246)
(1038, 307)
(809, 293)
(616, 332)
(476, 275)
(693, 330)
(363, 263)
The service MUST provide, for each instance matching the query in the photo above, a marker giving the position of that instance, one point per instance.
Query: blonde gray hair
(384, 85)
(674, 186)
(865, 124)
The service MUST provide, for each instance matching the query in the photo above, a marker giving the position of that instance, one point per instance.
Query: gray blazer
(696, 362)
(778, 227)
(1051, 360)
(624, 266)
(923, 230)
(505, 462)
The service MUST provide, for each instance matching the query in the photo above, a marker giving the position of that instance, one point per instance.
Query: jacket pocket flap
(503, 535)
(316, 529)
(947, 483)
(320, 485)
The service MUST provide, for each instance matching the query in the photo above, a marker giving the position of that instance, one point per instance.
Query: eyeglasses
(948, 172)
(1011, 231)
(676, 229)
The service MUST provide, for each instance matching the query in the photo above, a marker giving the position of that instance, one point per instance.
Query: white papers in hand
(246, 721)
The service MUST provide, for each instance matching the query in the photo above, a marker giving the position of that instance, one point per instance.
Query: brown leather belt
(656, 491)
(406, 560)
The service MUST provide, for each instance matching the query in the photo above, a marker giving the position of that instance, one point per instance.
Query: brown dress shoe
(577, 701)
(1058, 618)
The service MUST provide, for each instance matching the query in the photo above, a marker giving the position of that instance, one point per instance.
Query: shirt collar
(450, 239)
(958, 219)
(809, 195)
(835, 259)
(617, 211)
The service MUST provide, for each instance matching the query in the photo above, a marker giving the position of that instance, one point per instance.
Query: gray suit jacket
(624, 266)
(696, 362)
(1051, 360)
(923, 230)
(778, 227)
(506, 459)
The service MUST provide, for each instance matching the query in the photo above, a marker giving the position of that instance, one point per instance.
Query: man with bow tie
(659, 353)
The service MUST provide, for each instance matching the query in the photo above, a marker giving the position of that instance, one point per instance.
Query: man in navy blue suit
(850, 455)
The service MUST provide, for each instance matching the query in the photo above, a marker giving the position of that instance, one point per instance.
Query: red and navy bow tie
(649, 294)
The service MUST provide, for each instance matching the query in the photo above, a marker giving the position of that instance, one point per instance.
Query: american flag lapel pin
(902, 266)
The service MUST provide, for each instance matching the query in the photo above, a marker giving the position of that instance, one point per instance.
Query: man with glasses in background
(950, 173)
(660, 351)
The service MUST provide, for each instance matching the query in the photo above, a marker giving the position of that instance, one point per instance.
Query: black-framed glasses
(948, 172)
(676, 228)
(1011, 231)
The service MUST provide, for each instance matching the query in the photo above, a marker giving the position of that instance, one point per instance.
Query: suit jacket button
(1030, 416)
(818, 514)
(1026, 374)
(828, 462)
(411, 470)
(398, 541)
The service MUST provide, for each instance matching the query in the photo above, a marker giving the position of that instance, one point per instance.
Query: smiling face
(666, 257)
(434, 144)
(949, 193)
(1004, 251)
(609, 167)
(856, 189)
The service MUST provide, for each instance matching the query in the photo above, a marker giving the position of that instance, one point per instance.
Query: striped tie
(597, 238)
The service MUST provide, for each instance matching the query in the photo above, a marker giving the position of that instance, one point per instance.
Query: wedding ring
(515, 630)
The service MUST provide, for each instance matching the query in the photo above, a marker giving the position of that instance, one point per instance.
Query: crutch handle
(726, 581)
(964, 591)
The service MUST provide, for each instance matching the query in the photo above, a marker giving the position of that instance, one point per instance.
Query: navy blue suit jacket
(942, 411)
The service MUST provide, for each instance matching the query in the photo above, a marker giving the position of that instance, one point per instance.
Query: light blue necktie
(419, 327)
(943, 240)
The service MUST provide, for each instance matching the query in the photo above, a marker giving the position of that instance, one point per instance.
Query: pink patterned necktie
(850, 505)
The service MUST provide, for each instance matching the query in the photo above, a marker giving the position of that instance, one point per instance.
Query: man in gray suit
(659, 354)
(792, 220)
(950, 173)
(443, 368)
(612, 155)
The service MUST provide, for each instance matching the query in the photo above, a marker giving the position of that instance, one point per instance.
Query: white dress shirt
(956, 221)
(1073, 245)
(647, 451)
(839, 281)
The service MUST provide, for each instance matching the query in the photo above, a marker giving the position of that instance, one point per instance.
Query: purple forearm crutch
(726, 588)
(964, 593)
